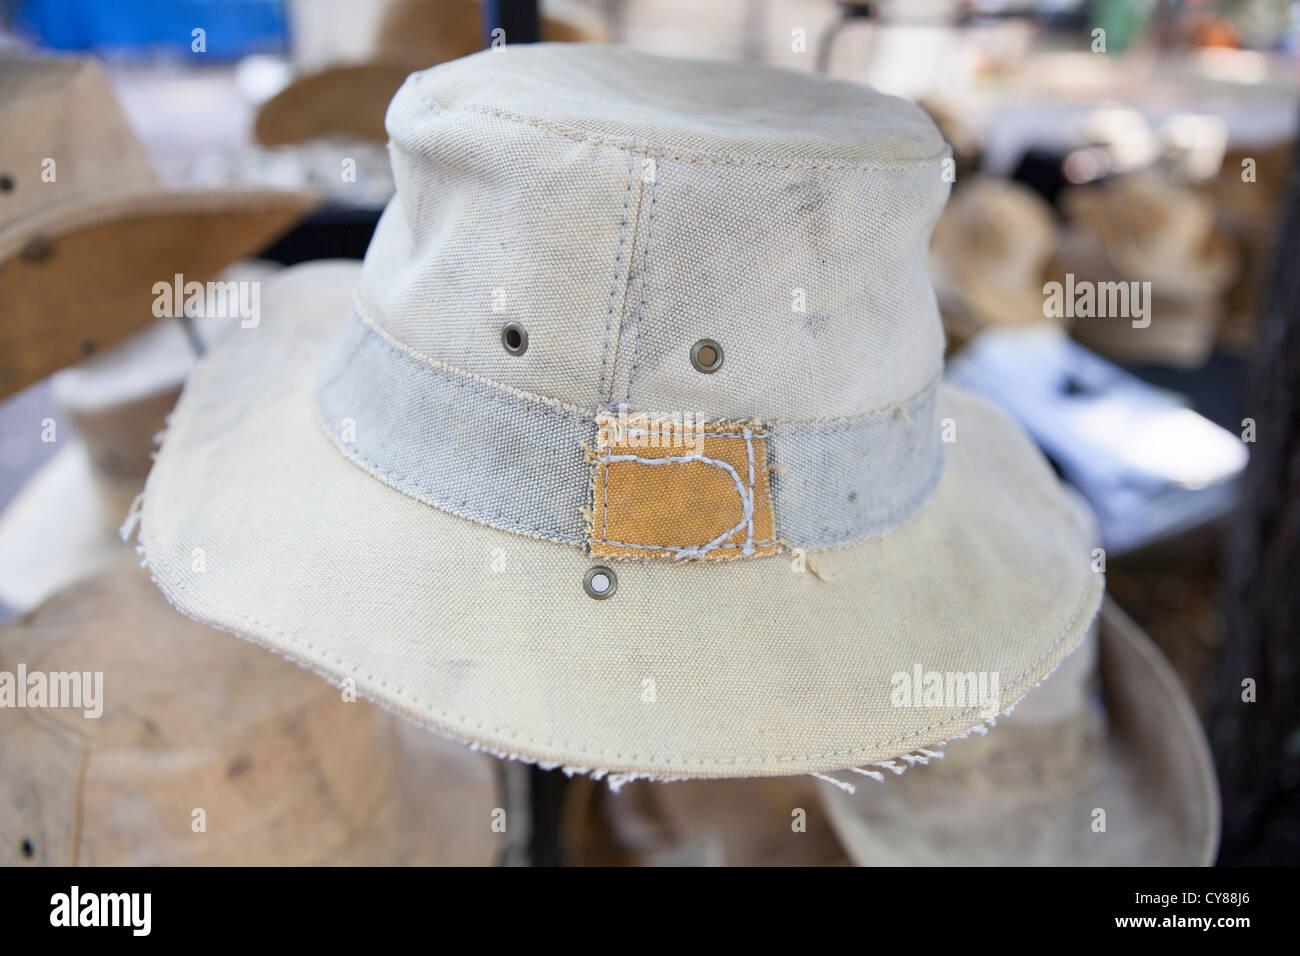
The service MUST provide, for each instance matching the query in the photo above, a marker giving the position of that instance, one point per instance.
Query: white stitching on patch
(680, 553)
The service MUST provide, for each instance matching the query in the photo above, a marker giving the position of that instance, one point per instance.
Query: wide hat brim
(1156, 785)
(754, 667)
(79, 278)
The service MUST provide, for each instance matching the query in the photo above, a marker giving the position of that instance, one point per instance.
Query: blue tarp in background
(233, 27)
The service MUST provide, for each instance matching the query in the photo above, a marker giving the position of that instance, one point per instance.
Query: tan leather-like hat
(350, 99)
(211, 751)
(86, 228)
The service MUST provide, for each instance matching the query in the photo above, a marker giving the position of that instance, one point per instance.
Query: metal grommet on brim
(514, 337)
(600, 582)
(706, 356)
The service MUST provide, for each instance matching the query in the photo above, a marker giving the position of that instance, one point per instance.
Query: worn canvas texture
(382, 491)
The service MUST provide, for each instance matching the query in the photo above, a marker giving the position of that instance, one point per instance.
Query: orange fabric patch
(681, 491)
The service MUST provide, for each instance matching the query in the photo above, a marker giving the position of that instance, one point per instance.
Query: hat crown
(71, 144)
(621, 207)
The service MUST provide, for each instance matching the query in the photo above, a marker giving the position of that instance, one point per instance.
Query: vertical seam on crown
(645, 269)
(626, 277)
(613, 285)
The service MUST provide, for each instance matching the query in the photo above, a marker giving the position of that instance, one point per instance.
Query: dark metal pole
(518, 19)
(1257, 744)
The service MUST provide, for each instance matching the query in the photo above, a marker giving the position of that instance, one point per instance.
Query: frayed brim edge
(922, 756)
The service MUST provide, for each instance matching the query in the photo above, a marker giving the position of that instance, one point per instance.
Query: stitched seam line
(613, 286)
(664, 547)
(689, 430)
(645, 272)
(405, 485)
(668, 152)
(451, 373)
(475, 383)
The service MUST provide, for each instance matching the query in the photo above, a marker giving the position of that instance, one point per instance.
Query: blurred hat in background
(63, 524)
(1149, 228)
(1142, 228)
(1104, 764)
(988, 255)
(86, 228)
(209, 751)
(769, 821)
(349, 98)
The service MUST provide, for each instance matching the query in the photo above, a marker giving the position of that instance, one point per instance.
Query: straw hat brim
(62, 526)
(1206, 275)
(76, 279)
(716, 669)
(348, 100)
(1157, 785)
(286, 771)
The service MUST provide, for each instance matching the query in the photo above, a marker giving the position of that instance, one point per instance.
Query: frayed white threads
(846, 787)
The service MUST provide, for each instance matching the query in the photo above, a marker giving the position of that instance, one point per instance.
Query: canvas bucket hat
(625, 448)
(87, 229)
(283, 768)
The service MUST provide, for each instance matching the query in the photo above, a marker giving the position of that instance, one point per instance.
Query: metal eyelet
(514, 338)
(706, 356)
(600, 582)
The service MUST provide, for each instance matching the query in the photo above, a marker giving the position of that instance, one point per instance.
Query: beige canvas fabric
(1033, 791)
(522, 180)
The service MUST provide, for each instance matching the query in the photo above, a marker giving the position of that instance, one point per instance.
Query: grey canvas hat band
(516, 461)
